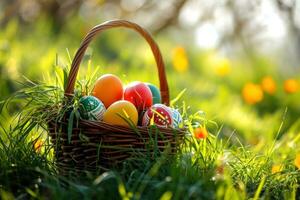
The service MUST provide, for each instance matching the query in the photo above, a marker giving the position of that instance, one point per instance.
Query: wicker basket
(100, 145)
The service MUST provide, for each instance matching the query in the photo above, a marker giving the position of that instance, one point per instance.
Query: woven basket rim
(111, 127)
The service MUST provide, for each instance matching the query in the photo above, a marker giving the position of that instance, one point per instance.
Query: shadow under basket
(98, 145)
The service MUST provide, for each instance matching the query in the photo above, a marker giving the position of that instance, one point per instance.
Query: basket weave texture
(96, 144)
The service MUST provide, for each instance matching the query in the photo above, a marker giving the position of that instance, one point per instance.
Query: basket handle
(164, 89)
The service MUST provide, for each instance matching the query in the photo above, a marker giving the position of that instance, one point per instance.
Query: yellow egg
(122, 113)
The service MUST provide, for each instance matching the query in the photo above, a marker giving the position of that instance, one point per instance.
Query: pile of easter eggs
(137, 104)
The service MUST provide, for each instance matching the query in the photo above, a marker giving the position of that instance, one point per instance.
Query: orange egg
(109, 89)
(122, 113)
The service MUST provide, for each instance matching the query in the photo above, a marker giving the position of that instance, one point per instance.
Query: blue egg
(156, 97)
(177, 119)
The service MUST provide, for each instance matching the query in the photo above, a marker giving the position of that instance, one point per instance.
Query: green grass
(203, 169)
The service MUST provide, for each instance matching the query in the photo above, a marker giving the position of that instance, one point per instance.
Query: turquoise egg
(91, 108)
(156, 98)
(177, 119)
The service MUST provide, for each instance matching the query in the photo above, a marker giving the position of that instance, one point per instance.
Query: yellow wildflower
(222, 66)
(252, 93)
(38, 145)
(291, 86)
(277, 168)
(297, 161)
(180, 60)
(268, 85)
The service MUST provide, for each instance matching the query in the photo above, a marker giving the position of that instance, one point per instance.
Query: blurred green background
(237, 60)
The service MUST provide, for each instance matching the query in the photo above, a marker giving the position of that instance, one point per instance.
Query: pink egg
(159, 115)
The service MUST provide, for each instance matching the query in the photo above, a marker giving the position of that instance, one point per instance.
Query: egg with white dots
(177, 118)
(159, 115)
(91, 108)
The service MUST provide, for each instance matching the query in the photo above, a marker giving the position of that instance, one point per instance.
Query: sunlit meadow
(245, 104)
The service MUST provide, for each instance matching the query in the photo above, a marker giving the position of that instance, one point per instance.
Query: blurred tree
(230, 25)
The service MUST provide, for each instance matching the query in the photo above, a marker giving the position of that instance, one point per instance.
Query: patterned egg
(91, 108)
(109, 89)
(156, 98)
(122, 113)
(158, 114)
(177, 119)
(139, 94)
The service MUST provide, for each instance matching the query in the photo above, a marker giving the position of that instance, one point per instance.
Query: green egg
(156, 98)
(91, 108)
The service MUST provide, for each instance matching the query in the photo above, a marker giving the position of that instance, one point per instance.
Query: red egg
(139, 94)
(158, 114)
